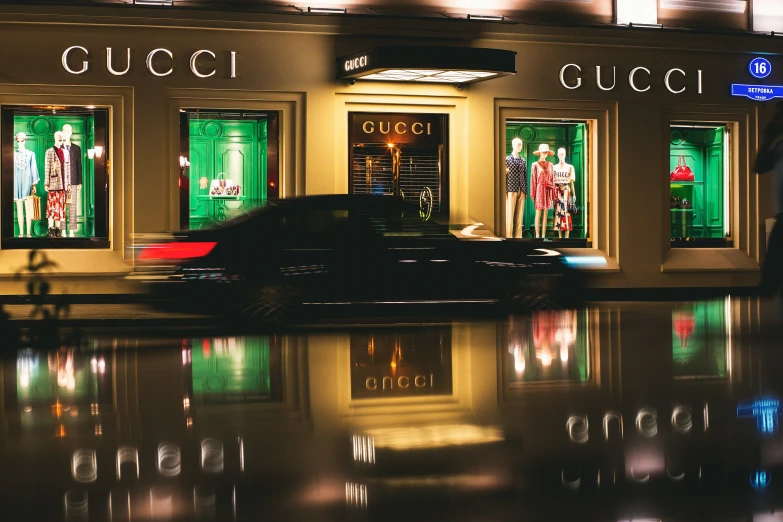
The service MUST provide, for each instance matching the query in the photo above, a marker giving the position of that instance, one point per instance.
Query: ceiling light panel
(768, 16)
(721, 6)
(637, 12)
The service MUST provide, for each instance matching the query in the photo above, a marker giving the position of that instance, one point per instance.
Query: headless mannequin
(75, 181)
(516, 187)
(26, 204)
(563, 166)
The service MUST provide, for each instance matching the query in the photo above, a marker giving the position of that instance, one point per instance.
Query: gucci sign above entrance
(159, 62)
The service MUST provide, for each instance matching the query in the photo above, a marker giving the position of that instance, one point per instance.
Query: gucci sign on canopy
(159, 62)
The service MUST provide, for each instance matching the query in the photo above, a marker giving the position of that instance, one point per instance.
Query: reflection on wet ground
(634, 412)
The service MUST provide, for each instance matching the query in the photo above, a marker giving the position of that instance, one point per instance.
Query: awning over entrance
(457, 65)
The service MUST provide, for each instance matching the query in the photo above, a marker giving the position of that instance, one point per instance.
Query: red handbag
(682, 172)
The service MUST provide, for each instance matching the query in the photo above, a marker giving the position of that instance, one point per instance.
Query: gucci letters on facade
(640, 79)
(199, 70)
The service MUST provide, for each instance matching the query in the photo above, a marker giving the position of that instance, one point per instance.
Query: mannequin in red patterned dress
(542, 188)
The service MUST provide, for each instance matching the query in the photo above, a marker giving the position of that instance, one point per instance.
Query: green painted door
(704, 153)
(40, 137)
(573, 139)
(234, 150)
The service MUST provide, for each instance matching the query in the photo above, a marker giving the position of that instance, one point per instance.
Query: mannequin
(73, 155)
(564, 191)
(56, 182)
(542, 184)
(516, 189)
(25, 178)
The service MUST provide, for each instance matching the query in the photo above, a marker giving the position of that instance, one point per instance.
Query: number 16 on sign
(760, 68)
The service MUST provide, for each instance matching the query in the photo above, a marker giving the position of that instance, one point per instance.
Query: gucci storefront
(633, 159)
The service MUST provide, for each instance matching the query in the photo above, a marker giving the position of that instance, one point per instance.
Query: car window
(314, 224)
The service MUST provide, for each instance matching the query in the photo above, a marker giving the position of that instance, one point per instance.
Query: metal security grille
(373, 172)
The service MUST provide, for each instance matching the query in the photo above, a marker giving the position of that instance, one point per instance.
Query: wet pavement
(616, 412)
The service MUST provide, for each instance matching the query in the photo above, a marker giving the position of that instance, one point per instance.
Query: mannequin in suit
(73, 155)
(56, 179)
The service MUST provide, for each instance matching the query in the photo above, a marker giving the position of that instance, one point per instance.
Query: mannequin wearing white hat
(25, 178)
(542, 188)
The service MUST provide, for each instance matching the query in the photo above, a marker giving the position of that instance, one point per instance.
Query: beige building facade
(627, 87)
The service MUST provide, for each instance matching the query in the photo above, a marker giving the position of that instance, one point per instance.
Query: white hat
(20, 136)
(544, 149)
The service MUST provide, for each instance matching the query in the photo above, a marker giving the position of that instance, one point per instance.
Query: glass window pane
(57, 186)
(228, 164)
(699, 185)
(550, 202)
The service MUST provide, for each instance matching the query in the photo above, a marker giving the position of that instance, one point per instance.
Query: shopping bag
(36, 207)
(682, 172)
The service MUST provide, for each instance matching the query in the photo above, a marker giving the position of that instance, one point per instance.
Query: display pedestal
(682, 222)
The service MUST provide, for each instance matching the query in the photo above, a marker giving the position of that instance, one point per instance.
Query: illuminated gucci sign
(639, 79)
(73, 53)
(359, 62)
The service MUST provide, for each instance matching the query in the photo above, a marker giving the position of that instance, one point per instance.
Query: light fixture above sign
(153, 2)
(449, 65)
(327, 10)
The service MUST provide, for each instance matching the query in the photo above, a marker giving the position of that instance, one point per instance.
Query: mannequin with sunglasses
(25, 178)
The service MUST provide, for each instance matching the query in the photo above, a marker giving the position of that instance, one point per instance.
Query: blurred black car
(296, 255)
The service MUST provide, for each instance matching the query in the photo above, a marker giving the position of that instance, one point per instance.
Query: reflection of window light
(545, 356)
(564, 354)
(519, 360)
(434, 436)
(765, 411)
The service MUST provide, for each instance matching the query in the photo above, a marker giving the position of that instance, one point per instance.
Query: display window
(400, 154)
(55, 172)
(228, 164)
(701, 340)
(699, 183)
(547, 181)
(548, 347)
(401, 363)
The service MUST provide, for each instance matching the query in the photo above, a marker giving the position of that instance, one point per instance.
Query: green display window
(699, 179)
(55, 177)
(551, 347)
(549, 203)
(229, 165)
(233, 370)
(701, 340)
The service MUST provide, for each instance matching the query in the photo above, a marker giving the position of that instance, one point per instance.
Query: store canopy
(457, 65)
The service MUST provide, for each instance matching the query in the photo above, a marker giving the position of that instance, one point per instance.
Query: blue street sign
(757, 92)
(760, 68)
(760, 479)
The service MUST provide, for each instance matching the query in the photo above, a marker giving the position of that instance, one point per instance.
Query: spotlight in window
(486, 18)
(327, 10)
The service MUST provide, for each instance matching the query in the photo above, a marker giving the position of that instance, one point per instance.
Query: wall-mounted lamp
(486, 18)
(91, 153)
(98, 151)
(183, 162)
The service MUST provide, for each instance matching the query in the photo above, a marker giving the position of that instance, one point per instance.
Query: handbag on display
(220, 186)
(36, 204)
(682, 172)
(572, 208)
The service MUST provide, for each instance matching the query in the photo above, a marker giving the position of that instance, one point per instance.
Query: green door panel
(703, 150)
(237, 149)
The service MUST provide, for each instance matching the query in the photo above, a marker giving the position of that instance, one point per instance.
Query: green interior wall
(574, 139)
(231, 370)
(704, 153)
(237, 148)
(40, 137)
(702, 354)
